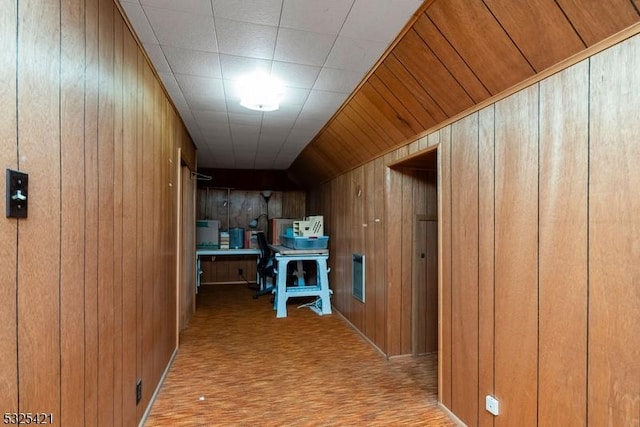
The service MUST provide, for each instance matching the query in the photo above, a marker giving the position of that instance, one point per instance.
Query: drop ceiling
(320, 49)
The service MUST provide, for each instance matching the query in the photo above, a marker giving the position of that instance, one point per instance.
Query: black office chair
(266, 267)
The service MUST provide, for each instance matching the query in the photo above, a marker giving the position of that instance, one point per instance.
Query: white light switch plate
(492, 405)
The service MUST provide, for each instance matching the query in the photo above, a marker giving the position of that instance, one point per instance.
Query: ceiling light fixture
(260, 92)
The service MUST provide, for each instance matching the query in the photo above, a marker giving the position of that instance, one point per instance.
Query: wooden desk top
(283, 250)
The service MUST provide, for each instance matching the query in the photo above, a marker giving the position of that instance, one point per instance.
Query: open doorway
(422, 171)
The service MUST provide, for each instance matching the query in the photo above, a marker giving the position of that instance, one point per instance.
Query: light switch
(17, 194)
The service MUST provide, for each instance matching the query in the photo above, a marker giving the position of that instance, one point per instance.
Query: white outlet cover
(492, 405)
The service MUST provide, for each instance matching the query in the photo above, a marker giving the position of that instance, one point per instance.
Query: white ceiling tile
(201, 86)
(235, 67)
(295, 96)
(288, 110)
(263, 162)
(156, 55)
(245, 119)
(180, 29)
(326, 16)
(331, 79)
(312, 125)
(196, 7)
(300, 137)
(295, 75)
(265, 12)
(140, 23)
(203, 117)
(170, 83)
(324, 101)
(272, 140)
(278, 121)
(303, 47)
(355, 55)
(199, 102)
(379, 20)
(244, 135)
(194, 62)
(245, 39)
(202, 82)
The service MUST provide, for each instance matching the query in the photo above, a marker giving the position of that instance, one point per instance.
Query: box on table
(310, 226)
(277, 227)
(303, 242)
(207, 234)
(250, 239)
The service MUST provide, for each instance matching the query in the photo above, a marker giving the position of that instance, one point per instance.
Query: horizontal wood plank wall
(73, 98)
(8, 227)
(614, 233)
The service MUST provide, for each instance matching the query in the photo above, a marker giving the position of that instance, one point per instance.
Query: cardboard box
(250, 239)
(311, 226)
(207, 234)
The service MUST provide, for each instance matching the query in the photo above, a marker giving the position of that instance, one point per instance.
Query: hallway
(239, 365)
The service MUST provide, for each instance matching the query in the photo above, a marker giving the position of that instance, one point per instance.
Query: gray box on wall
(207, 234)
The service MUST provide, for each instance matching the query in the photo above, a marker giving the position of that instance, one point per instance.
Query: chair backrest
(265, 249)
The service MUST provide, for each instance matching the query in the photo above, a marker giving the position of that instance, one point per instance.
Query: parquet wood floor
(238, 365)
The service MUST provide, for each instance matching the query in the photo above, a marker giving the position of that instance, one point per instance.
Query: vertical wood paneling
(148, 178)
(564, 101)
(106, 328)
(419, 269)
(486, 232)
(614, 233)
(516, 258)
(142, 233)
(380, 253)
(393, 189)
(70, 111)
(407, 221)
(72, 248)
(8, 227)
(39, 235)
(368, 194)
(444, 267)
(431, 321)
(464, 269)
(129, 229)
(117, 219)
(91, 212)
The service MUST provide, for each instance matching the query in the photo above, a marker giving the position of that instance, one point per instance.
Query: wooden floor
(239, 365)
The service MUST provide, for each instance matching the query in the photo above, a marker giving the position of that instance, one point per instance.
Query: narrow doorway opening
(421, 170)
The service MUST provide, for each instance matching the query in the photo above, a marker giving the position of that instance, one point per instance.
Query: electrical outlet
(492, 405)
(138, 390)
(240, 272)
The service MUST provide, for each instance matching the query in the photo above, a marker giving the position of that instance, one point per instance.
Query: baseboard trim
(143, 420)
(359, 332)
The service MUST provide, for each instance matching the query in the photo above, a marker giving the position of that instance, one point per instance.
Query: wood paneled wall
(453, 55)
(358, 220)
(88, 279)
(538, 249)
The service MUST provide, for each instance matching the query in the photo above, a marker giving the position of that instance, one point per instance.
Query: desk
(283, 256)
(220, 252)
